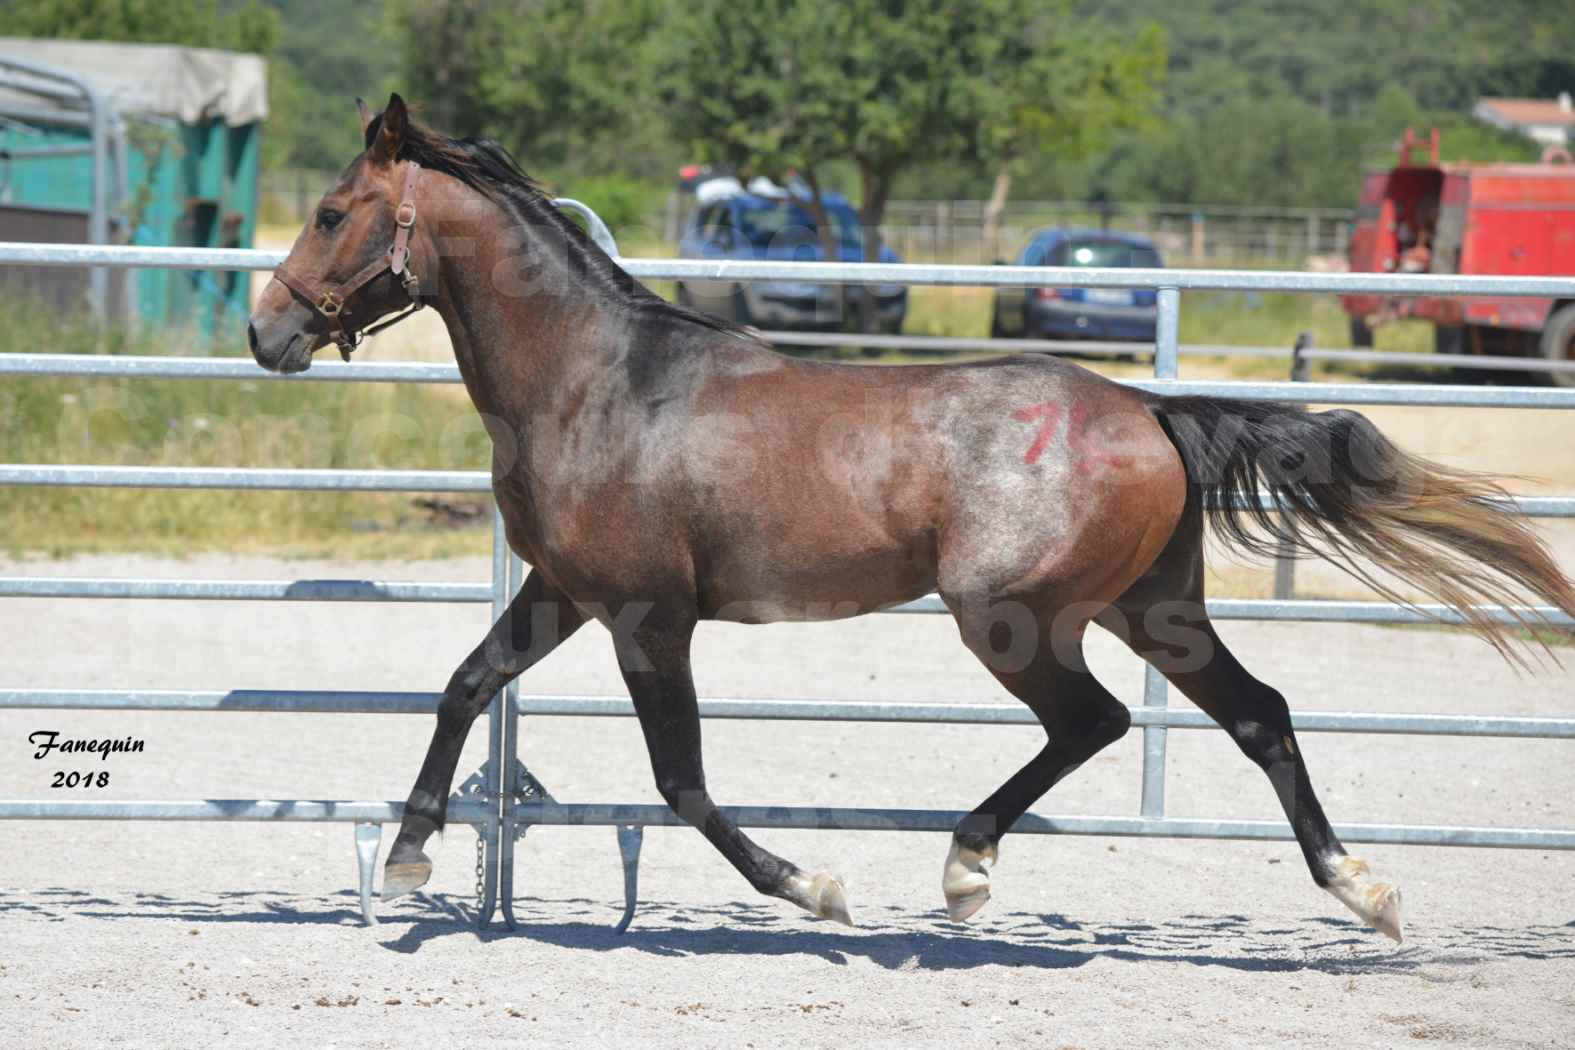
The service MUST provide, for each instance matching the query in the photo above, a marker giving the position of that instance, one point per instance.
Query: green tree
(558, 81)
(329, 52)
(885, 86)
(248, 26)
(1332, 88)
(1063, 89)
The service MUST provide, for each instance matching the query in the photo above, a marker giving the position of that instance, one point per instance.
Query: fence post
(1156, 691)
(496, 772)
(670, 228)
(1156, 694)
(508, 700)
(1285, 559)
(1167, 333)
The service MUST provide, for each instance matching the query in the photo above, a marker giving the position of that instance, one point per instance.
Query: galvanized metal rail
(370, 702)
(76, 255)
(1098, 348)
(502, 800)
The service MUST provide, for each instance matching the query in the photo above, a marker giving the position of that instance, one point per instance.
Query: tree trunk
(993, 211)
(876, 185)
(830, 249)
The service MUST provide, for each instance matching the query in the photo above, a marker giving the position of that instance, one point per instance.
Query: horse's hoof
(1375, 903)
(1386, 911)
(823, 895)
(960, 907)
(402, 877)
(965, 881)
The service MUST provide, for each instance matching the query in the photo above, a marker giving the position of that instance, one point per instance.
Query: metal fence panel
(502, 799)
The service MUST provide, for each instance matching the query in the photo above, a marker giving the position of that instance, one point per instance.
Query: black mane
(488, 168)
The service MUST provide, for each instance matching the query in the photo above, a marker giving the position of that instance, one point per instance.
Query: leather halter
(330, 302)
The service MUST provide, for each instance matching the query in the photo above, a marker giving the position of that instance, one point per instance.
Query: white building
(1548, 121)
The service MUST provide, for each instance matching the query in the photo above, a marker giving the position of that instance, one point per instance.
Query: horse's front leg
(655, 664)
(533, 625)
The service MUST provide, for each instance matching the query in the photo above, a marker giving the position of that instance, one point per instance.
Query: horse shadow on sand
(892, 938)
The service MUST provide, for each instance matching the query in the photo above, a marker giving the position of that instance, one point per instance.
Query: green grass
(238, 423)
(1277, 319)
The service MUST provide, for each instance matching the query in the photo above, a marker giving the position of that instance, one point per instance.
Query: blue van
(779, 228)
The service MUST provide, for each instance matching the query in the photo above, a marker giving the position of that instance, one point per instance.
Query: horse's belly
(786, 590)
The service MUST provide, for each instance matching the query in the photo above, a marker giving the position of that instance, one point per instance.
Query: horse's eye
(328, 218)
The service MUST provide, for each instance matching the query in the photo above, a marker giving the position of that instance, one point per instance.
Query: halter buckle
(405, 215)
(347, 341)
(330, 305)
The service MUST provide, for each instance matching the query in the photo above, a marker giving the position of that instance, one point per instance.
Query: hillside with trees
(1284, 103)
(1185, 101)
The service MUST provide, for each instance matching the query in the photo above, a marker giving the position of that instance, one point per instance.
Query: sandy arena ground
(157, 935)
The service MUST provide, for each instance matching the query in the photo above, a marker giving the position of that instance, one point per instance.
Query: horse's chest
(596, 539)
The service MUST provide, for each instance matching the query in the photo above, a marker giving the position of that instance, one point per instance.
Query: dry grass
(226, 423)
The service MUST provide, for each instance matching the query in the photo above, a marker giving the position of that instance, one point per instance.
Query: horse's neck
(523, 324)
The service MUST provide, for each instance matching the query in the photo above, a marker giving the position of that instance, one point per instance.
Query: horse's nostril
(251, 337)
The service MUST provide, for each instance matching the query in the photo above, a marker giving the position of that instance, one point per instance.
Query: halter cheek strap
(330, 302)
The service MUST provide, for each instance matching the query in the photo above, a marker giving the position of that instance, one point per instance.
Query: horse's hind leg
(655, 664)
(1080, 717)
(1167, 626)
(535, 623)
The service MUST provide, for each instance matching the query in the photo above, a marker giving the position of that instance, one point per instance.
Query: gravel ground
(187, 934)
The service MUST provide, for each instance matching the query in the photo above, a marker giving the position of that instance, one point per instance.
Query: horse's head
(350, 263)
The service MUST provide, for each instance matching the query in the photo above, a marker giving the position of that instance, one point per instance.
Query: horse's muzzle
(293, 354)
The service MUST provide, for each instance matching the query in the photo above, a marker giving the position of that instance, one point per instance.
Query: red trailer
(1504, 219)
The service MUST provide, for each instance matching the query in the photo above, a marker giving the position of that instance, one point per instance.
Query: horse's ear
(391, 134)
(365, 114)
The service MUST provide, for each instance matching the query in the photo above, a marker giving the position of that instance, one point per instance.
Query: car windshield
(1095, 252)
(786, 224)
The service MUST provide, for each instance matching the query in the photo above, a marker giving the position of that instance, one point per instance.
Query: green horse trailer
(131, 144)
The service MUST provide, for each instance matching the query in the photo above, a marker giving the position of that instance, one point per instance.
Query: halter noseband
(330, 302)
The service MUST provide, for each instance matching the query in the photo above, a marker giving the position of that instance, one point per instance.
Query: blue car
(745, 225)
(1105, 314)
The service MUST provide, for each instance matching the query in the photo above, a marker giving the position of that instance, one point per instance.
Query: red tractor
(1504, 219)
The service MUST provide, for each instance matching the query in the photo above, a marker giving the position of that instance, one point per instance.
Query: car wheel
(1449, 339)
(740, 308)
(1558, 343)
(1361, 334)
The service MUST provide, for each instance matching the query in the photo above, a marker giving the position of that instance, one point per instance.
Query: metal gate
(502, 800)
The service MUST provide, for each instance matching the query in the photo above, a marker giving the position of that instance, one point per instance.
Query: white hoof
(1375, 903)
(399, 879)
(965, 881)
(822, 894)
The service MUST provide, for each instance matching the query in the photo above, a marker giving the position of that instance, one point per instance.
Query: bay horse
(657, 467)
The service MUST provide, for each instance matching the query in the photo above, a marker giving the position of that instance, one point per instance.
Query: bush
(623, 204)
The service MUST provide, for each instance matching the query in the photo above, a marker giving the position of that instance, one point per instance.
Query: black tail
(1345, 493)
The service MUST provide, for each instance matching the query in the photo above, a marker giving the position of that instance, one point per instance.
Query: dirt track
(185, 934)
